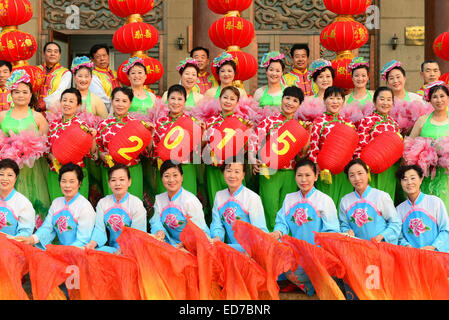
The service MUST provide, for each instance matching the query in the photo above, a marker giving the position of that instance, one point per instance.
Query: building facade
(77, 25)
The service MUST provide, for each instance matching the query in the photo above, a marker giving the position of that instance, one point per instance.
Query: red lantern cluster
(136, 37)
(232, 33)
(17, 46)
(441, 50)
(343, 35)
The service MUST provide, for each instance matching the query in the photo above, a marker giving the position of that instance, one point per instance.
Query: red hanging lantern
(17, 45)
(225, 6)
(352, 7)
(129, 7)
(383, 151)
(137, 36)
(246, 65)
(36, 74)
(231, 138)
(282, 147)
(344, 34)
(73, 144)
(182, 138)
(338, 149)
(445, 78)
(155, 71)
(15, 12)
(231, 31)
(343, 76)
(130, 142)
(441, 46)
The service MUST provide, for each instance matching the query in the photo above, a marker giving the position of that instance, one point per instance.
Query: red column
(437, 23)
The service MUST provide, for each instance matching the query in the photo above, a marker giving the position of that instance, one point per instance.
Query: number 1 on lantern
(124, 151)
(282, 139)
(229, 134)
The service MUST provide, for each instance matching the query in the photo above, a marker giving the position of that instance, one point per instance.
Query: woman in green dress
(32, 182)
(188, 70)
(360, 76)
(271, 94)
(137, 75)
(82, 76)
(435, 126)
(226, 69)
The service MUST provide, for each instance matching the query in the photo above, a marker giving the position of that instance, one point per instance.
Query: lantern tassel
(213, 158)
(326, 176)
(264, 171)
(57, 165)
(159, 163)
(109, 161)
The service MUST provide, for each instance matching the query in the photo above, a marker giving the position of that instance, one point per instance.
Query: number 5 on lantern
(177, 141)
(124, 151)
(229, 134)
(282, 139)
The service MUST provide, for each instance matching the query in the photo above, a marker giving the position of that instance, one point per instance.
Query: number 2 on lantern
(177, 141)
(282, 139)
(229, 134)
(124, 151)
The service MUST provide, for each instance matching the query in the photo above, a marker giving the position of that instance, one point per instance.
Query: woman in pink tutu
(22, 119)
(436, 126)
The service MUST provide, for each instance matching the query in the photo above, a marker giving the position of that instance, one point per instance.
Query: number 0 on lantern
(177, 141)
(283, 140)
(124, 151)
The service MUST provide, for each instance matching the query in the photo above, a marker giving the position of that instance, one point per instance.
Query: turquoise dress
(439, 185)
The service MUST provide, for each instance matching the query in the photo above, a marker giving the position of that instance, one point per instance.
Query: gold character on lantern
(11, 45)
(138, 35)
(229, 25)
(148, 34)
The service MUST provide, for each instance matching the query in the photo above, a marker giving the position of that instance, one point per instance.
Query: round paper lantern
(344, 34)
(225, 6)
(246, 65)
(130, 142)
(179, 142)
(36, 74)
(343, 76)
(445, 78)
(137, 36)
(282, 147)
(441, 46)
(155, 71)
(383, 151)
(352, 7)
(126, 8)
(73, 144)
(338, 149)
(230, 138)
(232, 31)
(17, 45)
(15, 12)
